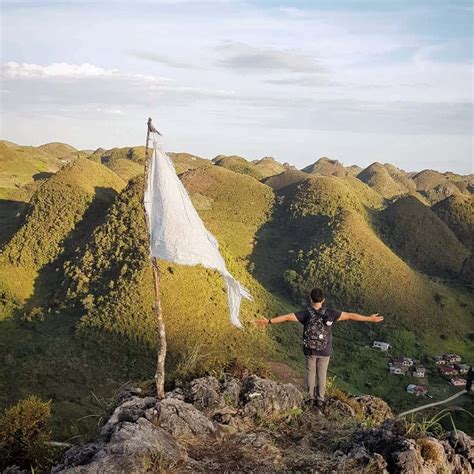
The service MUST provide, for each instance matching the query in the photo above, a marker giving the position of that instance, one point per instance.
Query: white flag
(177, 233)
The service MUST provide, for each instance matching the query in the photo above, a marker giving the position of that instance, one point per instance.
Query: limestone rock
(183, 419)
(263, 396)
(130, 447)
(375, 408)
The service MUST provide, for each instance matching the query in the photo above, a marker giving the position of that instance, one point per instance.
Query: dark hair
(317, 295)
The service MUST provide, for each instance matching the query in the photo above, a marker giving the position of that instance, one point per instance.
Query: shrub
(24, 434)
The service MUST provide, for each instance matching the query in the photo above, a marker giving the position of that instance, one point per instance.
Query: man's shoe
(319, 403)
(308, 403)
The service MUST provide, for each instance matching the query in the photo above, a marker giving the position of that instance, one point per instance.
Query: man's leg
(310, 374)
(321, 370)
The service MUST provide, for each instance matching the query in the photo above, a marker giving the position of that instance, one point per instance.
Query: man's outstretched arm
(373, 318)
(277, 320)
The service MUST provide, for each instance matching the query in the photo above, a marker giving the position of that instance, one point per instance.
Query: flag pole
(161, 350)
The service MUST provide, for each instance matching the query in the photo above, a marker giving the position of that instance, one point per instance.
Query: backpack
(316, 332)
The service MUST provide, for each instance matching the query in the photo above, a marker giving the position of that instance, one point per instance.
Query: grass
(432, 247)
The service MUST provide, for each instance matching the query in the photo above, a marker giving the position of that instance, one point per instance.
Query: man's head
(317, 297)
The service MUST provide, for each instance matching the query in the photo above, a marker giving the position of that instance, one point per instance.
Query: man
(317, 338)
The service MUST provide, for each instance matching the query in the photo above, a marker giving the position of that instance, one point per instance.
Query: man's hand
(261, 322)
(375, 318)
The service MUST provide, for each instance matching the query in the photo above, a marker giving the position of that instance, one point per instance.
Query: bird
(151, 127)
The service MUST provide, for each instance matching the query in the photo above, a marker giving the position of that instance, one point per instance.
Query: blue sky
(360, 81)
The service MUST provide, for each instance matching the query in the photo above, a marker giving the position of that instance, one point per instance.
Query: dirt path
(429, 405)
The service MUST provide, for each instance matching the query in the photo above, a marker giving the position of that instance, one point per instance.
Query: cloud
(241, 56)
(304, 81)
(158, 58)
(14, 70)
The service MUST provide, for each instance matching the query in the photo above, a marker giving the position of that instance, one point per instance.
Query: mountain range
(76, 294)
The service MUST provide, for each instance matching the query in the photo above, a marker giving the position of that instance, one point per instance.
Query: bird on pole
(151, 127)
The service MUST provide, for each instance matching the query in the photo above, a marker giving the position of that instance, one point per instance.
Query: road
(429, 405)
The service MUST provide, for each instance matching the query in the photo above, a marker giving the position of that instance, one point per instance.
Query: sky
(358, 81)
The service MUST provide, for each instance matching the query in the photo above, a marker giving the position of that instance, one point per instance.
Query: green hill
(185, 162)
(378, 178)
(239, 165)
(76, 319)
(328, 232)
(59, 150)
(401, 177)
(268, 166)
(422, 238)
(55, 210)
(436, 186)
(353, 170)
(112, 278)
(285, 179)
(326, 167)
(126, 162)
(457, 212)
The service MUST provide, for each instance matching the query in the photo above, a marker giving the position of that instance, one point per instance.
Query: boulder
(205, 393)
(130, 449)
(433, 453)
(267, 397)
(374, 408)
(130, 410)
(183, 419)
(461, 443)
(334, 408)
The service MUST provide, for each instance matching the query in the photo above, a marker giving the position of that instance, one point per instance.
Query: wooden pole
(161, 350)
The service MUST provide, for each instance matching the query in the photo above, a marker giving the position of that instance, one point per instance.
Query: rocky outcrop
(182, 419)
(259, 425)
(374, 408)
(453, 453)
(129, 441)
(267, 397)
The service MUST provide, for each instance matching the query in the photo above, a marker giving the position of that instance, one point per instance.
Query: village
(449, 366)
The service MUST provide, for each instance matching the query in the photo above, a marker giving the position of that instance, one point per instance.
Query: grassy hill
(436, 186)
(457, 212)
(238, 164)
(327, 231)
(268, 166)
(401, 177)
(76, 318)
(101, 309)
(326, 167)
(73, 196)
(422, 238)
(378, 178)
(285, 179)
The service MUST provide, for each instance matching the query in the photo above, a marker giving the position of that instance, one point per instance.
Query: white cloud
(242, 56)
(14, 70)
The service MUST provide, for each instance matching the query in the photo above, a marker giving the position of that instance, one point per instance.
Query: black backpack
(316, 332)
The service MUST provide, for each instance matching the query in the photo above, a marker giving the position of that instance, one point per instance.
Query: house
(447, 370)
(419, 372)
(458, 382)
(397, 369)
(462, 368)
(416, 389)
(407, 362)
(384, 346)
(439, 360)
(452, 358)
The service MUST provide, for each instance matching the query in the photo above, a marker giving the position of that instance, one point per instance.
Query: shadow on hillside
(50, 279)
(278, 242)
(79, 372)
(11, 213)
(42, 176)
